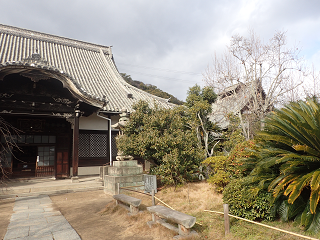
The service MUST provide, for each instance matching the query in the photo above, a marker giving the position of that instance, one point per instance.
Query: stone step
(123, 179)
(129, 163)
(125, 171)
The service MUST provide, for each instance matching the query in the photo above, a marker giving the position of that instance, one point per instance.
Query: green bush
(225, 168)
(163, 137)
(243, 203)
(174, 170)
(220, 180)
(217, 168)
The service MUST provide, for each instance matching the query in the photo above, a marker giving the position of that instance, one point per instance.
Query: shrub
(217, 168)
(225, 168)
(174, 170)
(243, 203)
(163, 137)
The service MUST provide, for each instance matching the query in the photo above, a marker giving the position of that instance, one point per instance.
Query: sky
(169, 43)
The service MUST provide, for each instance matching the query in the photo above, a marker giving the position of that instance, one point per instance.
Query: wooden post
(226, 219)
(75, 155)
(118, 188)
(153, 200)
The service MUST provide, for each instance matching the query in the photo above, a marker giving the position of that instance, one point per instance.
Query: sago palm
(289, 158)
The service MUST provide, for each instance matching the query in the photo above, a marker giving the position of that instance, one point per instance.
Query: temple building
(62, 95)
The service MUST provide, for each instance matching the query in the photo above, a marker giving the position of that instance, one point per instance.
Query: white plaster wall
(93, 122)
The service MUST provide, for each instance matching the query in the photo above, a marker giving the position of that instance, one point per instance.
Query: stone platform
(126, 173)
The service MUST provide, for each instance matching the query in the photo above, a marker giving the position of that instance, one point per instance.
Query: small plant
(243, 203)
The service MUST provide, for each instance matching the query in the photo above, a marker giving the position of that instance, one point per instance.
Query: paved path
(37, 186)
(35, 218)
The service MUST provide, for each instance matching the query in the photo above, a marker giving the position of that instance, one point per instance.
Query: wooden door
(62, 167)
(62, 162)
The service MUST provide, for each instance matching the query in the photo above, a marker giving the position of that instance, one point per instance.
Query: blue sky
(169, 43)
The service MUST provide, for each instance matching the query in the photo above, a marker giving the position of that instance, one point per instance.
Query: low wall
(82, 171)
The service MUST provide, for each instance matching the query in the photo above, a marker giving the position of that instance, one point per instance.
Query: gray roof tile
(90, 67)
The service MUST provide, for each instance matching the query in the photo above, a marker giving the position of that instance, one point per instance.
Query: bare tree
(262, 72)
(8, 136)
(313, 88)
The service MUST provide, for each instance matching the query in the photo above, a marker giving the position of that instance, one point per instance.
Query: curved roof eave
(52, 72)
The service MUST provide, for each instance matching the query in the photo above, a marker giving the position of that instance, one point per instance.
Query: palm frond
(289, 211)
(295, 188)
(314, 200)
(314, 227)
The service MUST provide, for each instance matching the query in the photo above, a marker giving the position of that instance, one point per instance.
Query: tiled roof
(89, 68)
(233, 99)
(234, 102)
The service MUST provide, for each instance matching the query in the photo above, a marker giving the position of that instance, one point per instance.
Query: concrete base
(87, 171)
(75, 179)
(111, 182)
(103, 171)
(126, 173)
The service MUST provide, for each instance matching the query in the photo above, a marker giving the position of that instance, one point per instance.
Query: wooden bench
(123, 199)
(185, 222)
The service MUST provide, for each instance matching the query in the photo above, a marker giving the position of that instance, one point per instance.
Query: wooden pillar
(226, 219)
(75, 155)
(153, 200)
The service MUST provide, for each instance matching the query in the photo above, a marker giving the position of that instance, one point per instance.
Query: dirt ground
(94, 216)
(85, 211)
(6, 210)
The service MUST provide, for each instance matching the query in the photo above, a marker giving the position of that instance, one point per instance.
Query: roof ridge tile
(21, 32)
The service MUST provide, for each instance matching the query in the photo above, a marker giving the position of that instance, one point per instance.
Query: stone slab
(21, 232)
(32, 221)
(66, 234)
(175, 216)
(128, 199)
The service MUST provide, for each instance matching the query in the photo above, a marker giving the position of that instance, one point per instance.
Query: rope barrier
(126, 188)
(164, 203)
(261, 224)
(135, 191)
(150, 196)
(264, 225)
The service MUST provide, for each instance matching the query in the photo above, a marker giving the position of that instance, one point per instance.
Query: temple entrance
(24, 161)
(42, 147)
(41, 109)
(33, 161)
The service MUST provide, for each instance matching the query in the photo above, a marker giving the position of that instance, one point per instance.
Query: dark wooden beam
(75, 155)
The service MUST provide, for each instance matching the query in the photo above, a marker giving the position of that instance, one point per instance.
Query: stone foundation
(127, 173)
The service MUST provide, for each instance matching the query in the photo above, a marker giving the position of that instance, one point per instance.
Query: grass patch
(193, 199)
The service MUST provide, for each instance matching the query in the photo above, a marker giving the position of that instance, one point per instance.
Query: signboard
(150, 183)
